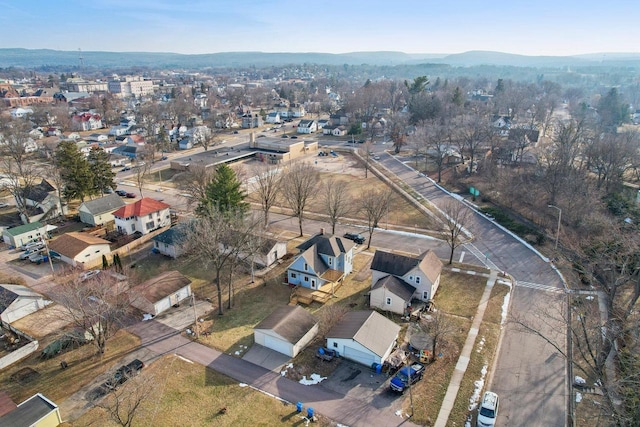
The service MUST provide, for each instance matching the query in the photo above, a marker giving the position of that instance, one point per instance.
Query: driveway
(348, 410)
(265, 357)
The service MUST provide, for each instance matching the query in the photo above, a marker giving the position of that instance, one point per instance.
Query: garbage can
(299, 406)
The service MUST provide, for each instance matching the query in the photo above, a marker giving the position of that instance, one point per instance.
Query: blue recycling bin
(299, 406)
(309, 412)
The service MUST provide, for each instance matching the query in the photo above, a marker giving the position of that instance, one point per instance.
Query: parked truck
(407, 376)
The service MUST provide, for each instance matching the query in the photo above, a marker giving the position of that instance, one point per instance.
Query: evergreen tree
(75, 171)
(223, 193)
(457, 98)
(101, 173)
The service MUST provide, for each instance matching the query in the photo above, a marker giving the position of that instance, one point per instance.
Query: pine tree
(74, 170)
(224, 192)
(101, 173)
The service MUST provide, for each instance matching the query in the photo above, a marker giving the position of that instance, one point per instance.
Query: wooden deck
(307, 296)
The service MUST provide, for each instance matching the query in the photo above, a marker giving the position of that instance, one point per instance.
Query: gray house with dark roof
(42, 201)
(287, 330)
(397, 279)
(365, 337)
(100, 211)
(322, 259)
(169, 241)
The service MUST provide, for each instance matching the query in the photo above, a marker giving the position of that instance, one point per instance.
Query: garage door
(277, 345)
(358, 356)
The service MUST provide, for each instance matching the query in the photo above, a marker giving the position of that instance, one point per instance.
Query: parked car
(326, 354)
(88, 274)
(376, 157)
(123, 373)
(358, 238)
(294, 137)
(121, 193)
(130, 195)
(126, 168)
(488, 410)
(284, 136)
(28, 253)
(163, 158)
(407, 376)
(235, 132)
(38, 258)
(36, 244)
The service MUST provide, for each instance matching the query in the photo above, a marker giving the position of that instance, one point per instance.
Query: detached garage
(17, 301)
(365, 337)
(161, 292)
(287, 330)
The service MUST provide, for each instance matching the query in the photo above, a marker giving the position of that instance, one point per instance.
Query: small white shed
(287, 330)
(160, 293)
(17, 301)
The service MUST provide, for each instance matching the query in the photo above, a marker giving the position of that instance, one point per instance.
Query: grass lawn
(58, 384)
(187, 394)
(459, 293)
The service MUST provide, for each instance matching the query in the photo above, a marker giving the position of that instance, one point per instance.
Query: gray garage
(287, 330)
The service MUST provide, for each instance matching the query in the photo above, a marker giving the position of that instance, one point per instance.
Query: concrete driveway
(265, 357)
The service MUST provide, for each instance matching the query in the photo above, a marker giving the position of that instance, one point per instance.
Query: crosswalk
(539, 286)
(482, 257)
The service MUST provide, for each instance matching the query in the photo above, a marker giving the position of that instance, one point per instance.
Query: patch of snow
(399, 413)
(578, 397)
(579, 380)
(478, 385)
(467, 423)
(286, 368)
(237, 353)
(314, 379)
(480, 345)
(505, 308)
(341, 425)
(242, 385)
(147, 316)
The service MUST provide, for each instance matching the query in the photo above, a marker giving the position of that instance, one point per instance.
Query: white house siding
(270, 339)
(305, 340)
(21, 239)
(167, 250)
(175, 298)
(352, 350)
(92, 252)
(130, 225)
(378, 298)
(88, 218)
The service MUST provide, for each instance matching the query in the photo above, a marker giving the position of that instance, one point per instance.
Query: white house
(273, 118)
(100, 211)
(143, 216)
(397, 279)
(17, 301)
(168, 242)
(287, 330)
(77, 249)
(364, 337)
(86, 121)
(270, 252)
(18, 236)
(307, 126)
(19, 113)
(339, 131)
(161, 292)
(119, 130)
(323, 259)
(42, 201)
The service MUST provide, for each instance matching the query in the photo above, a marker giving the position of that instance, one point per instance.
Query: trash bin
(299, 406)
(309, 412)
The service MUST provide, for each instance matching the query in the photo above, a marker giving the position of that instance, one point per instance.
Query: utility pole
(195, 315)
(559, 220)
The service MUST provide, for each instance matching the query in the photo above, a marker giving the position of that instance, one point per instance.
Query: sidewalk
(465, 355)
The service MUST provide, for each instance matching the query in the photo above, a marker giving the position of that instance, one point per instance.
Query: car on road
(284, 136)
(235, 132)
(126, 168)
(163, 158)
(121, 193)
(407, 376)
(123, 373)
(488, 410)
(358, 238)
(130, 195)
(376, 157)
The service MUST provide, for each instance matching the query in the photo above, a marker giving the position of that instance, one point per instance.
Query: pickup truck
(123, 373)
(407, 376)
(326, 354)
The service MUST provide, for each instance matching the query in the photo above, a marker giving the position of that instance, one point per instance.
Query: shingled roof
(142, 207)
(399, 265)
(71, 244)
(290, 322)
(327, 245)
(159, 287)
(368, 328)
(396, 286)
(104, 204)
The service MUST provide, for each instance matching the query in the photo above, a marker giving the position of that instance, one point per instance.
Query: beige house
(279, 150)
(80, 249)
(36, 411)
(398, 279)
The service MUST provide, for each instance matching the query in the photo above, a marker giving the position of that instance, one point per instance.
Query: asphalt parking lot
(11, 257)
(363, 383)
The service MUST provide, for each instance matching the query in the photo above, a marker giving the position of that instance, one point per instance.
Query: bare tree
(96, 306)
(217, 239)
(298, 186)
(140, 172)
(456, 216)
(439, 327)
(125, 404)
(336, 202)
(366, 154)
(266, 184)
(374, 204)
(194, 182)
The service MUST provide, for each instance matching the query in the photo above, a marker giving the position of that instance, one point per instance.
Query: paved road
(530, 375)
(162, 339)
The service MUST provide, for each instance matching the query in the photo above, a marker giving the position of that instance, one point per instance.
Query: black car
(124, 373)
(358, 238)
(121, 193)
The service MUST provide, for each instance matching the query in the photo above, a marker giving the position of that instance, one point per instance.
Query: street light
(559, 220)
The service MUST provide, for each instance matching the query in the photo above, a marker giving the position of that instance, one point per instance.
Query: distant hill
(35, 58)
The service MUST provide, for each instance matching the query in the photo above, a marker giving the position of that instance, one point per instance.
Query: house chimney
(322, 230)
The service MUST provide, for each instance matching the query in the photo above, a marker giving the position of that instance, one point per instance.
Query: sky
(531, 27)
